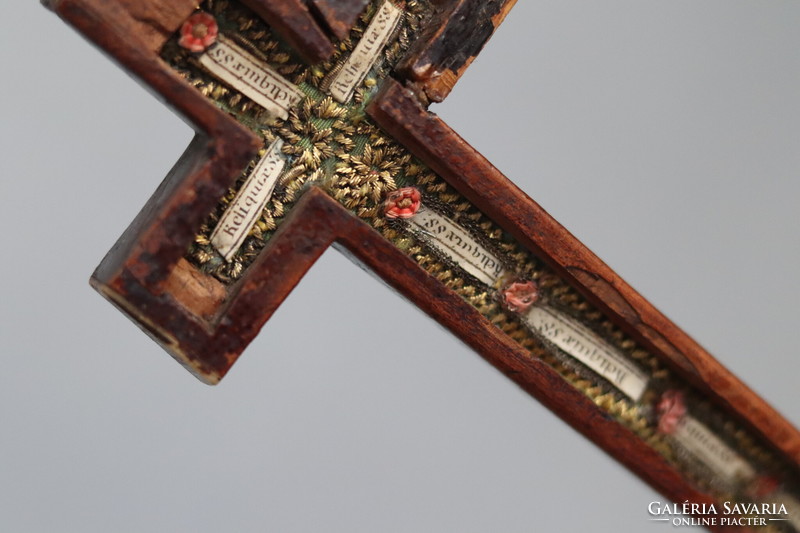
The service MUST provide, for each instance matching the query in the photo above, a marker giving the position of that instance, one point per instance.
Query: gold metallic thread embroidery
(338, 148)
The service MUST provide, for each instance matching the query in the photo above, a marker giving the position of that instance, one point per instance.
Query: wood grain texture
(293, 21)
(145, 24)
(338, 16)
(457, 34)
(318, 222)
(206, 326)
(398, 112)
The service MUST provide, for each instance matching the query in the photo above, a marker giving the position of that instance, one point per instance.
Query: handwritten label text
(587, 347)
(246, 207)
(366, 53)
(458, 245)
(251, 76)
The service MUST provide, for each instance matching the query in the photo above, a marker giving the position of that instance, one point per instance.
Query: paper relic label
(366, 52)
(251, 76)
(701, 442)
(457, 244)
(246, 207)
(587, 347)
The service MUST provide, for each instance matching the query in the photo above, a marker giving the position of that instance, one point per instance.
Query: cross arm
(455, 38)
(206, 320)
(398, 111)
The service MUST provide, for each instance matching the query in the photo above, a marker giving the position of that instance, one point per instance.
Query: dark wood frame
(206, 325)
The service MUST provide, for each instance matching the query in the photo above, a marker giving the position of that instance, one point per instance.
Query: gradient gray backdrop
(665, 134)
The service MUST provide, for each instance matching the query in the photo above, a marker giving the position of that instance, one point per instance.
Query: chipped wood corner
(148, 22)
(205, 322)
(338, 16)
(458, 32)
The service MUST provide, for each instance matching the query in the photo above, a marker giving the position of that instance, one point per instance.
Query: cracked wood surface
(430, 139)
(206, 325)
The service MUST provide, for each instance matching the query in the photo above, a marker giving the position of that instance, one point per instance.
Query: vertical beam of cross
(205, 324)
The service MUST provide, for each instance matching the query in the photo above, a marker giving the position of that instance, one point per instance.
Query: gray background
(664, 134)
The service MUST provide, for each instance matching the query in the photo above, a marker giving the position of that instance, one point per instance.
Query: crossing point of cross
(312, 130)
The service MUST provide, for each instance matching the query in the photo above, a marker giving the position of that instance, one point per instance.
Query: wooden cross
(312, 130)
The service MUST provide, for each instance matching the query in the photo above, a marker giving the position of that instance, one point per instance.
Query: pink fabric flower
(671, 409)
(520, 295)
(402, 203)
(199, 32)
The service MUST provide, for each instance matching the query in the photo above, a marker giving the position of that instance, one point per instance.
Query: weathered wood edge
(338, 16)
(457, 33)
(317, 222)
(150, 22)
(135, 273)
(295, 23)
(399, 112)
